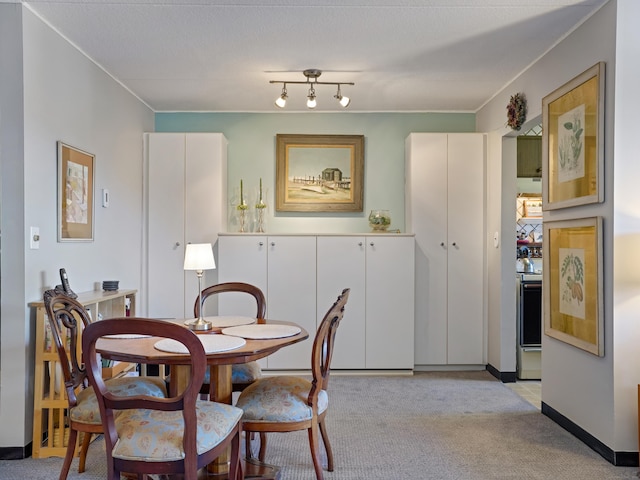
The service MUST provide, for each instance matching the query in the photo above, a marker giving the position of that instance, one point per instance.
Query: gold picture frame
(572, 283)
(572, 141)
(75, 194)
(319, 173)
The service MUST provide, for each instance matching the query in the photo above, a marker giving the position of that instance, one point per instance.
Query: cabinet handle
(442, 244)
(177, 244)
(260, 244)
(454, 244)
(273, 244)
(372, 244)
(359, 244)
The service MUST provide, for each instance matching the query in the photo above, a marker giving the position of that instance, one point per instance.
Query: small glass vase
(260, 211)
(242, 217)
(379, 220)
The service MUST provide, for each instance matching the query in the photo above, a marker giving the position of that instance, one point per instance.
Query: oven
(529, 325)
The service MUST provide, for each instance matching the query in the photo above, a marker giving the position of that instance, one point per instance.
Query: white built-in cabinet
(445, 205)
(302, 275)
(185, 181)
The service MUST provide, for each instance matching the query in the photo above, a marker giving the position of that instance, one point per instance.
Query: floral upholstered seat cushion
(279, 399)
(87, 411)
(156, 436)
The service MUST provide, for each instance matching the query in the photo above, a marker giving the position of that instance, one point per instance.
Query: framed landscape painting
(319, 173)
(572, 283)
(75, 194)
(572, 141)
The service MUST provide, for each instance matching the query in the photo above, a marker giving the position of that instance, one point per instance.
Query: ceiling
(402, 55)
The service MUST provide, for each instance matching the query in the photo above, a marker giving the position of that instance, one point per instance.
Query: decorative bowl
(379, 220)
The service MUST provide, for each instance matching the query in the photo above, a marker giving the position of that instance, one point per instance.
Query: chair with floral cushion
(147, 435)
(67, 319)
(242, 375)
(286, 403)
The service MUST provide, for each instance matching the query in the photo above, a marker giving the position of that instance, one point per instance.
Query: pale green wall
(251, 155)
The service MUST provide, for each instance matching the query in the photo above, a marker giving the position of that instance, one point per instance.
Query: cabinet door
(205, 198)
(291, 287)
(186, 199)
(166, 207)
(390, 302)
(341, 264)
(242, 259)
(465, 329)
(426, 201)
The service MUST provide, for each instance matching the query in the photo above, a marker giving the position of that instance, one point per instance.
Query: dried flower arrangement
(517, 111)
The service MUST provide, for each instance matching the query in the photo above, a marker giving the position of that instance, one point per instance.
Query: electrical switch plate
(105, 197)
(34, 238)
(496, 239)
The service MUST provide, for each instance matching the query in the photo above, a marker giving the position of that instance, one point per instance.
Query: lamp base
(199, 325)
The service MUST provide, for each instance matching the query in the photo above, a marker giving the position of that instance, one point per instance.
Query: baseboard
(15, 453)
(504, 377)
(619, 459)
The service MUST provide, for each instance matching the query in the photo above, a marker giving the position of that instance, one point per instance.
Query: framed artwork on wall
(75, 194)
(572, 283)
(319, 173)
(572, 141)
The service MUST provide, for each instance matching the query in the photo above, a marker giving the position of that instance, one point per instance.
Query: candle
(241, 196)
(260, 189)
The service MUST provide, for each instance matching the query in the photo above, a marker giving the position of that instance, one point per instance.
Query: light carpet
(443, 425)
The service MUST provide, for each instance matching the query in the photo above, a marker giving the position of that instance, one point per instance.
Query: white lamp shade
(199, 256)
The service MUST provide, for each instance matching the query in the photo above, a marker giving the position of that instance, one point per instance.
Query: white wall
(597, 394)
(626, 223)
(68, 98)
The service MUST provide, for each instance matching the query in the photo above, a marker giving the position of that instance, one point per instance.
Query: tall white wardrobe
(185, 197)
(445, 205)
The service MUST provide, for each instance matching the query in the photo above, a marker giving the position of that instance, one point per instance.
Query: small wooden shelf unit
(50, 426)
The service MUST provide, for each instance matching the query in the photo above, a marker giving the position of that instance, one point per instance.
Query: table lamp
(199, 257)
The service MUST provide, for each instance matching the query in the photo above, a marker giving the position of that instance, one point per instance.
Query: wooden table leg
(221, 391)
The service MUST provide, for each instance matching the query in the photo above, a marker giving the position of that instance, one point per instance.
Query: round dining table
(142, 350)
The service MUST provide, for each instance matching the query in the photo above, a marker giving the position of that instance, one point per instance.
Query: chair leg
(315, 450)
(327, 444)
(71, 450)
(84, 448)
(263, 446)
(235, 467)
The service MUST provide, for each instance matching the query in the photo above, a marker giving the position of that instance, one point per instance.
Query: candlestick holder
(261, 211)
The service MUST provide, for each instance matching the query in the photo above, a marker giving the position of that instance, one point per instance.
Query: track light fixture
(281, 101)
(312, 75)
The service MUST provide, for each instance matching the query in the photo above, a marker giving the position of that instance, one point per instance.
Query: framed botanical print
(572, 283)
(572, 141)
(75, 194)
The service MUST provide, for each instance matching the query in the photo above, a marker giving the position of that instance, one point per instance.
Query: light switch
(105, 197)
(34, 238)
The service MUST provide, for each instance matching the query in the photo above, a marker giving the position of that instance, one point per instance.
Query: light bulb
(281, 101)
(345, 101)
(311, 98)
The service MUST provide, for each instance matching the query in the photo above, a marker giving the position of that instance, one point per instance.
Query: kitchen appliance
(529, 325)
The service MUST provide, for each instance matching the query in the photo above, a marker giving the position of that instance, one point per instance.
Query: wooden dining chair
(286, 403)
(147, 435)
(67, 319)
(242, 375)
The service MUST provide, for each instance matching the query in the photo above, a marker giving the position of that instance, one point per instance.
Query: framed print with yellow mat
(572, 283)
(572, 141)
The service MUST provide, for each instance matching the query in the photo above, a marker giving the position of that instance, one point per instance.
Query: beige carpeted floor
(444, 426)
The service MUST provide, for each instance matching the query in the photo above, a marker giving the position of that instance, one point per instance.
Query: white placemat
(262, 331)
(212, 343)
(127, 335)
(222, 321)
